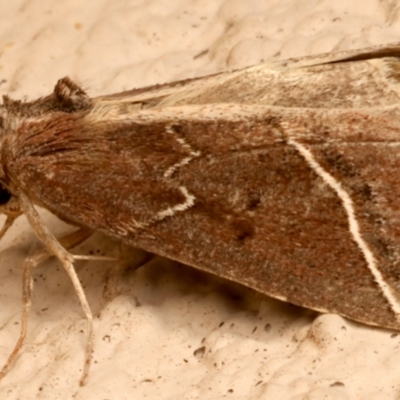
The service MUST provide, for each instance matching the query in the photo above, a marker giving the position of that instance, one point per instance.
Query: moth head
(9, 206)
(9, 203)
(12, 115)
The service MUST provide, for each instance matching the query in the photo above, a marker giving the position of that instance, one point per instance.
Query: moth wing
(250, 175)
(331, 80)
(366, 53)
(249, 193)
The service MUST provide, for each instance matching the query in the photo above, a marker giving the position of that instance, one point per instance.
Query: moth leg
(67, 260)
(132, 258)
(27, 286)
(40, 255)
(9, 207)
(7, 225)
(129, 259)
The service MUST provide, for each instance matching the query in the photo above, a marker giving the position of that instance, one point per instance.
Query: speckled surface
(167, 331)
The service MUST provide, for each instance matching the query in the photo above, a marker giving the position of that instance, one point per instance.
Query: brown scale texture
(204, 171)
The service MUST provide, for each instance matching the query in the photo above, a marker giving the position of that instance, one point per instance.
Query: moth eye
(5, 195)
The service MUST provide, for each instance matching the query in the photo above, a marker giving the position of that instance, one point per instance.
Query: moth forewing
(265, 176)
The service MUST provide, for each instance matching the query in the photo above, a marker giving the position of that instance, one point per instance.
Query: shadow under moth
(282, 177)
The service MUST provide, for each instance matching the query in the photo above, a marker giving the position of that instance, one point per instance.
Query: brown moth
(283, 177)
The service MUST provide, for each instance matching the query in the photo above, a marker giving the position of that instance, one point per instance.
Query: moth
(284, 177)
